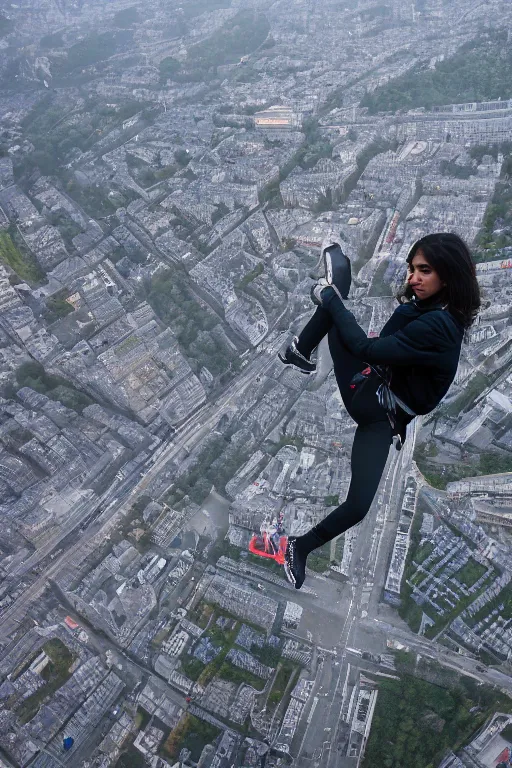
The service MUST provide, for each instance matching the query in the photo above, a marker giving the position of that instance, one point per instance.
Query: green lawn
(126, 346)
(192, 667)
(237, 675)
(32, 374)
(442, 621)
(286, 670)
(423, 552)
(503, 598)
(224, 639)
(130, 758)
(201, 614)
(409, 610)
(23, 264)
(55, 673)
(470, 573)
(320, 559)
(191, 732)
(57, 306)
(418, 577)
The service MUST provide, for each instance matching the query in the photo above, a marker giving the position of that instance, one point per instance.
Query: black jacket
(420, 343)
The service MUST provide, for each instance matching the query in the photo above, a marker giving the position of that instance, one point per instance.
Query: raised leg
(345, 366)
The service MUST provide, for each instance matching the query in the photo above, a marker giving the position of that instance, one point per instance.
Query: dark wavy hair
(451, 258)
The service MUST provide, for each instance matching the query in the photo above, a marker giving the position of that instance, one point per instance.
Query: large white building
(276, 118)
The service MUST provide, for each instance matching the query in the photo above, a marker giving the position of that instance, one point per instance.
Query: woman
(385, 382)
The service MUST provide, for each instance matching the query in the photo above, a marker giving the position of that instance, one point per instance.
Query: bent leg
(345, 367)
(345, 364)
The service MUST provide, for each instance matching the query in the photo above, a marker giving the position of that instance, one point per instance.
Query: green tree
(182, 156)
(127, 17)
(478, 71)
(169, 67)
(54, 40)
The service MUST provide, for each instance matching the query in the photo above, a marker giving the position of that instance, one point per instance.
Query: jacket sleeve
(418, 343)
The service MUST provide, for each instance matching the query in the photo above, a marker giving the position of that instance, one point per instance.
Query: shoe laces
(291, 552)
(295, 351)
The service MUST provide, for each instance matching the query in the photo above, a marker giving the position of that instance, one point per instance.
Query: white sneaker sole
(328, 267)
(294, 366)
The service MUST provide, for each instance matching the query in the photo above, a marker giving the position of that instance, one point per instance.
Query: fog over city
(169, 173)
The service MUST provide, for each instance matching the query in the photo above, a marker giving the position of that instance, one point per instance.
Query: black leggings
(373, 435)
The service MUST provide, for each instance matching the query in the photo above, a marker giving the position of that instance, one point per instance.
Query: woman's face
(423, 278)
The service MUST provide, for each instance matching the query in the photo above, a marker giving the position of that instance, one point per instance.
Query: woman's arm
(420, 342)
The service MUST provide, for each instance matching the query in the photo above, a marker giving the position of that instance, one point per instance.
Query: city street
(128, 491)
(323, 729)
(179, 183)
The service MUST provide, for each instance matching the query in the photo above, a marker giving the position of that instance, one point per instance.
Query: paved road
(341, 611)
(443, 655)
(321, 736)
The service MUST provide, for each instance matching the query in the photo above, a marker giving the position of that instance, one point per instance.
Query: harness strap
(389, 401)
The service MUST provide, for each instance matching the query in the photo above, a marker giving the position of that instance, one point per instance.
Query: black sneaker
(294, 564)
(338, 271)
(292, 356)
